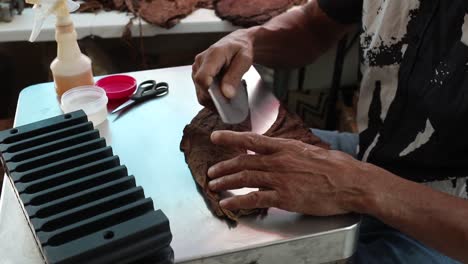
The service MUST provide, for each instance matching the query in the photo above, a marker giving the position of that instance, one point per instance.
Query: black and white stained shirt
(413, 102)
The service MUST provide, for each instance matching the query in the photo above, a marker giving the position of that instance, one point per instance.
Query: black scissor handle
(162, 85)
(145, 90)
(162, 89)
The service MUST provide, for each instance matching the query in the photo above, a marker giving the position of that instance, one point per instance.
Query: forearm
(295, 38)
(434, 218)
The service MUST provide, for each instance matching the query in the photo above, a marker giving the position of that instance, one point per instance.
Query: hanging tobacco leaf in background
(167, 13)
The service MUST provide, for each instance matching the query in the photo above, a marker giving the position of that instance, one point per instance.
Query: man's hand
(233, 55)
(292, 175)
(292, 39)
(304, 178)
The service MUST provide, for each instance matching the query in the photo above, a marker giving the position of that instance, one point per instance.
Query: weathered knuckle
(240, 47)
(230, 43)
(246, 56)
(288, 143)
(199, 57)
(260, 179)
(201, 99)
(215, 46)
(339, 154)
(194, 72)
(276, 182)
(263, 161)
(253, 139)
(196, 62)
(276, 158)
(241, 160)
(226, 181)
(216, 50)
(198, 91)
(280, 202)
(241, 176)
(199, 78)
(283, 161)
(252, 175)
(201, 96)
(327, 154)
(291, 154)
(254, 198)
(263, 201)
(298, 145)
(279, 159)
(276, 202)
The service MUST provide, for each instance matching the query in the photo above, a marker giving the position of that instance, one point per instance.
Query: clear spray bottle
(71, 68)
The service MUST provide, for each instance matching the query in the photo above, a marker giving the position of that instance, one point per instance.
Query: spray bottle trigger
(39, 17)
(43, 8)
(72, 6)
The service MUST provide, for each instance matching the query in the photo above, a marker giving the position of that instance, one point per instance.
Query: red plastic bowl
(118, 86)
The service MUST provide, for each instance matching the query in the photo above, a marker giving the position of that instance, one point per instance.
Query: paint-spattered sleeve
(343, 11)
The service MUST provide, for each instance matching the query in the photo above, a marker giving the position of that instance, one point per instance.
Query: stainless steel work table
(147, 138)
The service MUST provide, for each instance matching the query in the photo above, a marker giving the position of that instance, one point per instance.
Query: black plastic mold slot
(51, 146)
(59, 166)
(73, 187)
(81, 198)
(69, 175)
(42, 127)
(89, 210)
(97, 223)
(51, 136)
(143, 239)
(58, 155)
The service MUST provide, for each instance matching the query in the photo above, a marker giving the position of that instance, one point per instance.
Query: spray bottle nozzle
(43, 8)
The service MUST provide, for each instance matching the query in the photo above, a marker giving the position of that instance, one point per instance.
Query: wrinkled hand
(292, 175)
(233, 55)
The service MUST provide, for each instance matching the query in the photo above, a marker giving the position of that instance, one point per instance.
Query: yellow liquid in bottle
(65, 83)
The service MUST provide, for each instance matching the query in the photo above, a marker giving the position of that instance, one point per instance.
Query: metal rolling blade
(234, 110)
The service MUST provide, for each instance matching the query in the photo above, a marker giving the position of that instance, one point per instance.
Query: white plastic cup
(91, 99)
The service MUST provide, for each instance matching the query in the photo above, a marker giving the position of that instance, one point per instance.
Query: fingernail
(214, 136)
(211, 171)
(229, 91)
(224, 202)
(209, 81)
(212, 184)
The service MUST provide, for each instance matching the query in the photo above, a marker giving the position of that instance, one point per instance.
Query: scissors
(146, 90)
